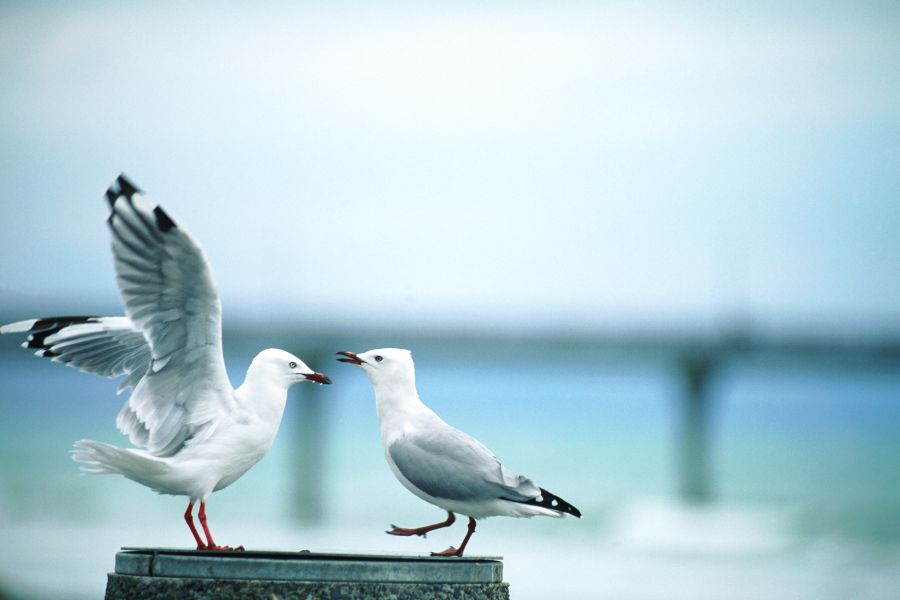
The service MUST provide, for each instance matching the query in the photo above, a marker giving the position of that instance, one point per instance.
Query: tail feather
(552, 502)
(103, 459)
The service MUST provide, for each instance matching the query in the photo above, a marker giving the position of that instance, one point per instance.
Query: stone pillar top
(307, 566)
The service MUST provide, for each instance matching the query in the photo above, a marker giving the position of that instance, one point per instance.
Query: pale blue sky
(577, 165)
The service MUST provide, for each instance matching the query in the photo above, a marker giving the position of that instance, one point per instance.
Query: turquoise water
(805, 466)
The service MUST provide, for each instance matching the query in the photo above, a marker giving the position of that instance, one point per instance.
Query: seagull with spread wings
(195, 434)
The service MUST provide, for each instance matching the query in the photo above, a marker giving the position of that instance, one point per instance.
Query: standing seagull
(441, 464)
(197, 434)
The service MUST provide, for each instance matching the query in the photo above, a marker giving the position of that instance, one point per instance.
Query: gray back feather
(448, 463)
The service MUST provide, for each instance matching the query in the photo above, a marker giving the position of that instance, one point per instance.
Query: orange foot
(404, 531)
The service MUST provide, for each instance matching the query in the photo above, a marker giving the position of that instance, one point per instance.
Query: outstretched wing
(170, 296)
(446, 463)
(169, 346)
(106, 346)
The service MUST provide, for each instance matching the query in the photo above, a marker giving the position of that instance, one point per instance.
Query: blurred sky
(517, 164)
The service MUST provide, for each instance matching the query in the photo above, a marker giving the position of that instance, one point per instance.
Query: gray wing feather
(447, 463)
(105, 346)
(170, 295)
(168, 347)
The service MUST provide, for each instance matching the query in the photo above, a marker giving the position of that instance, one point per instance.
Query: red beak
(352, 358)
(318, 378)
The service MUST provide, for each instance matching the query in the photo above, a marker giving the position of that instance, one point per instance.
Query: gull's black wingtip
(553, 502)
(163, 220)
(122, 186)
(127, 188)
(40, 329)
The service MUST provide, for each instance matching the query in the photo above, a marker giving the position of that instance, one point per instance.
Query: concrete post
(158, 573)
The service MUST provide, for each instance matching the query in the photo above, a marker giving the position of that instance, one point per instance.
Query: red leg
(189, 519)
(211, 545)
(451, 518)
(451, 551)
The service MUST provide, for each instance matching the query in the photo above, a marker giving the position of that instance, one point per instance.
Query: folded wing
(447, 463)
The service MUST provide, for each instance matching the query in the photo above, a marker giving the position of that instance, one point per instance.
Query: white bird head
(383, 365)
(284, 368)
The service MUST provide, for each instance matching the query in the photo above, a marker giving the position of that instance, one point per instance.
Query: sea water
(804, 471)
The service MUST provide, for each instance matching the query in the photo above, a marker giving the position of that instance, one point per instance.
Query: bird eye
(292, 365)
(379, 358)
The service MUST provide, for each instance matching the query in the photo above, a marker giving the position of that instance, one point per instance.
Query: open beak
(318, 378)
(352, 358)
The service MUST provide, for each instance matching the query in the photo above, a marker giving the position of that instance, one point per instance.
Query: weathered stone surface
(133, 587)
